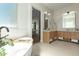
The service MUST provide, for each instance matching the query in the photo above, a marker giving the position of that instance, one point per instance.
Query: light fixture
(68, 12)
(71, 12)
(45, 12)
(65, 14)
(49, 14)
(46, 18)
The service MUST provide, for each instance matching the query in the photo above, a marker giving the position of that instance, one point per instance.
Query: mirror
(46, 21)
(69, 20)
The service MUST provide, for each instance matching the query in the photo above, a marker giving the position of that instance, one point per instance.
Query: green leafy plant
(2, 52)
(8, 41)
(4, 42)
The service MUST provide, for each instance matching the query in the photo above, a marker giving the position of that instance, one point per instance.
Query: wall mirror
(69, 20)
(46, 21)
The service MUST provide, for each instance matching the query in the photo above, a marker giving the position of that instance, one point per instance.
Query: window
(8, 14)
(69, 20)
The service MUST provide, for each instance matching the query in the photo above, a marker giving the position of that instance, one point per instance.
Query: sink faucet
(2, 28)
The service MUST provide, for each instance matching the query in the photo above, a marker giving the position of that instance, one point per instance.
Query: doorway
(36, 25)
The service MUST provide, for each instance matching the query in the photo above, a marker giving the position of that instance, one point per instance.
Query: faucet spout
(2, 28)
(5, 28)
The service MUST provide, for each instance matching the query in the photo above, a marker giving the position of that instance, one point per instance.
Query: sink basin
(19, 49)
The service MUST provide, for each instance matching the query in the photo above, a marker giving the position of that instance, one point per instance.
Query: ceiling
(54, 6)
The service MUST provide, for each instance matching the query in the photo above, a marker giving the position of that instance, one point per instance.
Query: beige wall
(58, 15)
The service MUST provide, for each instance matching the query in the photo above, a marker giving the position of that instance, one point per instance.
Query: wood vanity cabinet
(47, 36)
(74, 35)
(66, 35)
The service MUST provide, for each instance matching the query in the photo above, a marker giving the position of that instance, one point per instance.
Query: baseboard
(52, 41)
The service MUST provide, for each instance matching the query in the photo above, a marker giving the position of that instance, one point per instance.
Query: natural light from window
(8, 14)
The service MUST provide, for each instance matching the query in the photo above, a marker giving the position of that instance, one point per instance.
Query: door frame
(39, 23)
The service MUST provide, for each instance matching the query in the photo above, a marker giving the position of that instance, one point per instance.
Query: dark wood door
(36, 25)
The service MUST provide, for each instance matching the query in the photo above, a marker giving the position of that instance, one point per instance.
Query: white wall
(58, 15)
(24, 22)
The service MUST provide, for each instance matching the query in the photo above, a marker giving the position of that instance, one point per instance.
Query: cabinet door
(53, 35)
(46, 36)
(74, 35)
(66, 36)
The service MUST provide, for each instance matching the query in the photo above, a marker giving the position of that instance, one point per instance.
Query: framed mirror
(68, 21)
(45, 22)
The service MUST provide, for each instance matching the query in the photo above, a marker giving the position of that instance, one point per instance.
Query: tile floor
(56, 48)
